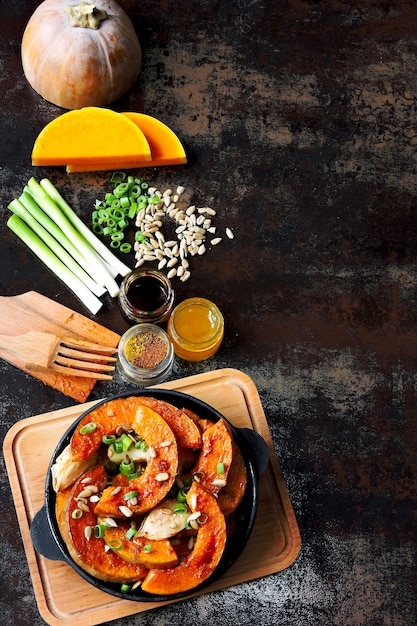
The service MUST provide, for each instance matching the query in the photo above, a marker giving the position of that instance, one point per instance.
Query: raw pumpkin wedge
(90, 135)
(166, 148)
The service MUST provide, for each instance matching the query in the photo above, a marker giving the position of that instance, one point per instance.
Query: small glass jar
(146, 296)
(196, 329)
(145, 355)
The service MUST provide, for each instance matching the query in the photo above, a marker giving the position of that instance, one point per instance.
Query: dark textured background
(299, 119)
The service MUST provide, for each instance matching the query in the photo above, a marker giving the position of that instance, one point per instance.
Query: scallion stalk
(38, 247)
(98, 245)
(20, 210)
(54, 211)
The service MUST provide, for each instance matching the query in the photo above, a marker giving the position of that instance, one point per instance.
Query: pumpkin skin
(75, 67)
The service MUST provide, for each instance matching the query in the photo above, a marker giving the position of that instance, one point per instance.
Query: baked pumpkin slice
(142, 493)
(77, 522)
(166, 148)
(201, 562)
(90, 134)
(215, 458)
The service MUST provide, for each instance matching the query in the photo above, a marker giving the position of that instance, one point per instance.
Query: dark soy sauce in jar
(146, 294)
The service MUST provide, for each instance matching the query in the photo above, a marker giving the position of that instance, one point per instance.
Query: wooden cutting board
(273, 545)
(32, 311)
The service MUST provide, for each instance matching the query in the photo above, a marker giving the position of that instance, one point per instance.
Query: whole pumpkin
(77, 54)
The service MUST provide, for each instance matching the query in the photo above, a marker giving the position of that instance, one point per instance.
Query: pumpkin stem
(85, 15)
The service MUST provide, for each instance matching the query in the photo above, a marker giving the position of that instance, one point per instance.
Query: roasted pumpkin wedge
(206, 554)
(87, 550)
(230, 496)
(185, 430)
(215, 457)
(140, 550)
(141, 494)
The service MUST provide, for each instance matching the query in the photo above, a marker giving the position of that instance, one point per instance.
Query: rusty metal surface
(299, 120)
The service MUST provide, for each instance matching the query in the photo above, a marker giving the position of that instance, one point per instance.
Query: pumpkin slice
(166, 148)
(185, 430)
(89, 551)
(90, 134)
(215, 457)
(206, 554)
(140, 550)
(153, 485)
(230, 496)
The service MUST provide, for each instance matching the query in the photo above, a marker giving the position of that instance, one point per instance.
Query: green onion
(141, 445)
(131, 532)
(27, 209)
(88, 428)
(99, 530)
(147, 548)
(130, 494)
(220, 468)
(76, 514)
(126, 588)
(118, 447)
(41, 250)
(182, 495)
(116, 544)
(96, 244)
(127, 467)
(108, 439)
(179, 508)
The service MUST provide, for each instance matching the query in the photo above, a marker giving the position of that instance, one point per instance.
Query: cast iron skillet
(47, 539)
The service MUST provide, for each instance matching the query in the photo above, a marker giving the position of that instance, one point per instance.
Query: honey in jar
(196, 329)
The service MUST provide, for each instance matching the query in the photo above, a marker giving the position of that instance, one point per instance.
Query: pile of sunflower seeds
(194, 227)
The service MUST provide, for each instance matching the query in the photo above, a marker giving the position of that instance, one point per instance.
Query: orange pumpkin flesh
(184, 429)
(216, 453)
(75, 67)
(147, 552)
(154, 484)
(205, 556)
(90, 553)
(166, 148)
(90, 133)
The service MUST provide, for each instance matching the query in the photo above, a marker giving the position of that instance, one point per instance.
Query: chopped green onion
(76, 514)
(116, 544)
(130, 494)
(118, 447)
(127, 467)
(126, 442)
(141, 445)
(126, 587)
(147, 548)
(182, 495)
(220, 468)
(108, 439)
(88, 428)
(179, 508)
(131, 532)
(125, 248)
(99, 530)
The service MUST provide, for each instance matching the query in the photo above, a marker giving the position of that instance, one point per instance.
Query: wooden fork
(68, 356)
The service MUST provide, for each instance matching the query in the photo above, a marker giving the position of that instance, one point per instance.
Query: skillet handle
(256, 448)
(42, 538)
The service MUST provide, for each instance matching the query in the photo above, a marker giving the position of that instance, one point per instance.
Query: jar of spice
(146, 296)
(196, 329)
(145, 355)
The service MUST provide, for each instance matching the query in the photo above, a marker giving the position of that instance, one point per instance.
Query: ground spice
(146, 349)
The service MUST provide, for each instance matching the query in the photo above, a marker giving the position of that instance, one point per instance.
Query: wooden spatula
(72, 357)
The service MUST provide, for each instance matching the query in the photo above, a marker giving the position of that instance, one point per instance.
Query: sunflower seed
(124, 510)
(162, 477)
(229, 233)
(215, 241)
(172, 273)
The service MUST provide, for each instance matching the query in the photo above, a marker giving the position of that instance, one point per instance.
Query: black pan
(47, 539)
